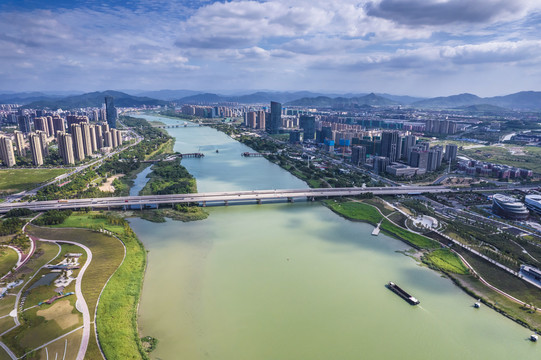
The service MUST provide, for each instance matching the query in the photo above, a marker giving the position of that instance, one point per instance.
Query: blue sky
(408, 47)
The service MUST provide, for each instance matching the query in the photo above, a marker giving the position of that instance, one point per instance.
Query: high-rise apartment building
(50, 126)
(99, 136)
(65, 148)
(114, 138)
(76, 119)
(36, 149)
(261, 116)
(418, 158)
(24, 124)
(19, 143)
(358, 155)
(87, 141)
(110, 111)
(41, 124)
(58, 124)
(107, 139)
(44, 142)
(6, 151)
(78, 146)
(251, 119)
(451, 151)
(93, 141)
(119, 138)
(407, 145)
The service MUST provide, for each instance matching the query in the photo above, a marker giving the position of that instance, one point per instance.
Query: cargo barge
(404, 295)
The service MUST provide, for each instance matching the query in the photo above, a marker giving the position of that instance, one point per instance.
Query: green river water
(295, 281)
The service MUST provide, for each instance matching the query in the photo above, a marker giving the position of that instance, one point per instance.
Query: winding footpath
(81, 304)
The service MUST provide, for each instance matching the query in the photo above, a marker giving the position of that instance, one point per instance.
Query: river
(296, 281)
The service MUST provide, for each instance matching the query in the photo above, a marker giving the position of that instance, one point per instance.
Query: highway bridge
(218, 198)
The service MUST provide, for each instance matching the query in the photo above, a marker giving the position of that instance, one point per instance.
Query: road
(223, 197)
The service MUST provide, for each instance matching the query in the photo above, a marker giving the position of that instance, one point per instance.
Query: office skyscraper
(308, 124)
(110, 111)
(391, 145)
(36, 149)
(6, 151)
(275, 118)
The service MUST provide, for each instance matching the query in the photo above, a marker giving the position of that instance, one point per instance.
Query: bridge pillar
(290, 199)
(258, 201)
(226, 203)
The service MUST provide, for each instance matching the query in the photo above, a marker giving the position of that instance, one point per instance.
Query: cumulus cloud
(442, 12)
(175, 44)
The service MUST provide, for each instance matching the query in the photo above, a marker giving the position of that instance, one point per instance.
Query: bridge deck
(234, 196)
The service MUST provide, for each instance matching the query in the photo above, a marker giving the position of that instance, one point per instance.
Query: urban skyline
(412, 47)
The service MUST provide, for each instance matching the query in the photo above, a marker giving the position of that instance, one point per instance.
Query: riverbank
(448, 263)
(116, 314)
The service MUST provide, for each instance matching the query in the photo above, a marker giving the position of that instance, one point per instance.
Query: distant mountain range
(325, 101)
(525, 100)
(95, 99)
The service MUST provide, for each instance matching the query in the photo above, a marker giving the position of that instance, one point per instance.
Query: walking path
(81, 304)
(23, 258)
(8, 351)
(99, 297)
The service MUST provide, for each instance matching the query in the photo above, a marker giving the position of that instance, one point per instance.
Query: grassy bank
(445, 260)
(8, 259)
(520, 313)
(165, 148)
(117, 312)
(16, 180)
(368, 213)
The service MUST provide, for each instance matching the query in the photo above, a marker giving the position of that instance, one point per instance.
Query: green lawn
(16, 180)
(419, 241)
(8, 259)
(85, 220)
(107, 254)
(446, 260)
(117, 312)
(368, 213)
(355, 211)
